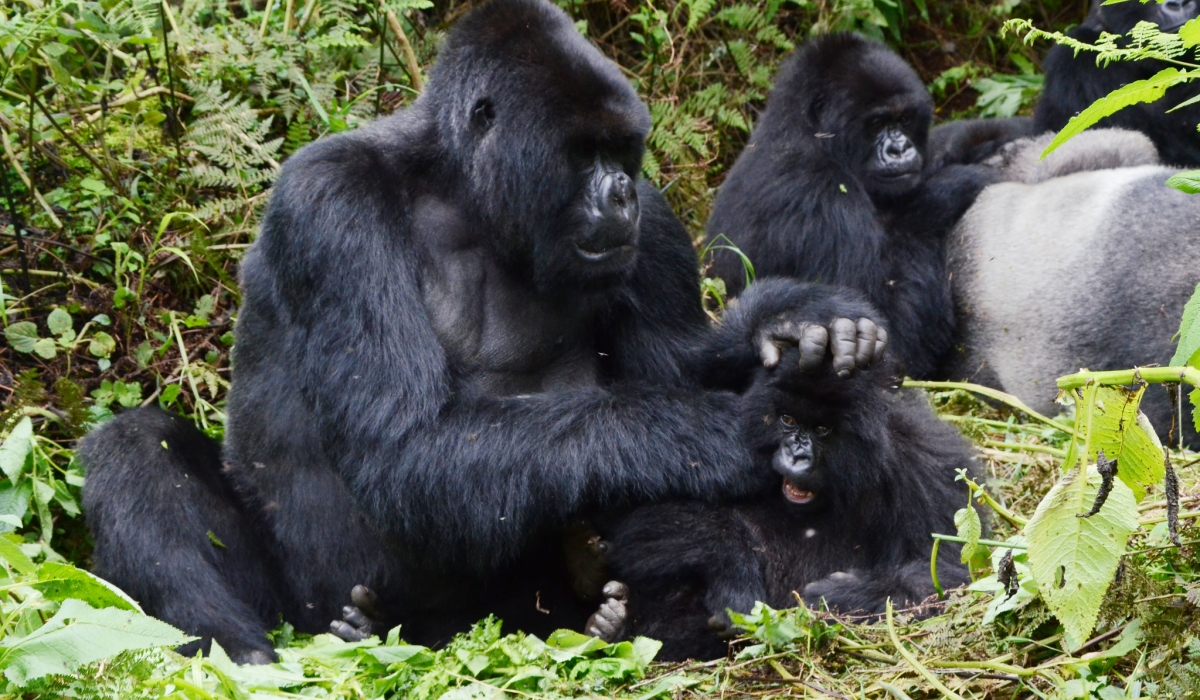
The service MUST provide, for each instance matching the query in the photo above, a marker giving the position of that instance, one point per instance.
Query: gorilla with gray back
(1068, 266)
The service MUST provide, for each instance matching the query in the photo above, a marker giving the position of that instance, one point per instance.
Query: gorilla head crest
(554, 106)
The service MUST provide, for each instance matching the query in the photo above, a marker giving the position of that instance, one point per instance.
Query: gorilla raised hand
(1075, 81)
(460, 327)
(863, 476)
(833, 187)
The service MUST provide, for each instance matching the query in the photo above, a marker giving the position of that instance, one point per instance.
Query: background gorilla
(832, 188)
(1088, 268)
(864, 476)
(1075, 82)
(460, 326)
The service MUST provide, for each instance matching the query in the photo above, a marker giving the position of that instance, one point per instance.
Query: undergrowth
(138, 142)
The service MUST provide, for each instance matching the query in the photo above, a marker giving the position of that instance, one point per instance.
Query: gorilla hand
(854, 344)
(359, 619)
(608, 622)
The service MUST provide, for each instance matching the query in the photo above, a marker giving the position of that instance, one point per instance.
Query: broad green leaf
(1186, 182)
(1189, 330)
(16, 448)
(1194, 396)
(11, 553)
(22, 336)
(1148, 90)
(45, 348)
(102, 344)
(1190, 33)
(1074, 559)
(79, 634)
(62, 581)
(59, 321)
(970, 529)
(1120, 429)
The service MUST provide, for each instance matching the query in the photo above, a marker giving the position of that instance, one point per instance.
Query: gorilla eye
(788, 421)
(483, 114)
(821, 430)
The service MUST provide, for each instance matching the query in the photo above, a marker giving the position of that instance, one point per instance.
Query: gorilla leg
(869, 590)
(171, 532)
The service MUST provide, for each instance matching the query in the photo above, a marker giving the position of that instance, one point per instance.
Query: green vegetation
(137, 143)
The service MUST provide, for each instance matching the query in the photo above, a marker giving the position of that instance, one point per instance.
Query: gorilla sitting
(833, 187)
(864, 475)
(460, 326)
(1074, 82)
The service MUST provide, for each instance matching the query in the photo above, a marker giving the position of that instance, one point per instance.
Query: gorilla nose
(899, 150)
(1176, 12)
(618, 196)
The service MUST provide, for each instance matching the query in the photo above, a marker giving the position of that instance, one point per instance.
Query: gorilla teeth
(795, 494)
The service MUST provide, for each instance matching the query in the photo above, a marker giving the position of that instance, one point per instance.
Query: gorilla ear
(482, 115)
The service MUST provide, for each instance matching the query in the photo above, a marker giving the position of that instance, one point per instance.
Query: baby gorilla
(866, 475)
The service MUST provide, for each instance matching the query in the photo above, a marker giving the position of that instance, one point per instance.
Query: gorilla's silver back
(1088, 270)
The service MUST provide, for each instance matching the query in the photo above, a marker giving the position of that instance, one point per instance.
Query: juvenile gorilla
(864, 476)
(460, 326)
(1074, 82)
(833, 187)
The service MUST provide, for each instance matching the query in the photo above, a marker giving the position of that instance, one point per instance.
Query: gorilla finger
(814, 340)
(365, 599)
(616, 590)
(880, 343)
(355, 617)
(345, 632)
(845, 343)
(867, 336)
(768, 351)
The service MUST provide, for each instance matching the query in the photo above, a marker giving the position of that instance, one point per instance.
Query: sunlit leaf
(1149, 90)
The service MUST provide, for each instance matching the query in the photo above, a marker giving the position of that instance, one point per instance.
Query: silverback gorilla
(864, 475)
(460, 326)
(1075, 81)
(833, 187)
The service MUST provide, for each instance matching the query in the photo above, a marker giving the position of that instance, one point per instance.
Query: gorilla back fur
(1090, 269)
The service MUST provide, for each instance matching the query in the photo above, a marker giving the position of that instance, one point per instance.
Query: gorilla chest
(503, 337)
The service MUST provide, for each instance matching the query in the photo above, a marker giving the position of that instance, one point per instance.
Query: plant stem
(986, 543)
(1123, 377)
(912, 660)
(991, 393)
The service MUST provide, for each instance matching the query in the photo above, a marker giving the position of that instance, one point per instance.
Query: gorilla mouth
(795, 494)
(597, 256)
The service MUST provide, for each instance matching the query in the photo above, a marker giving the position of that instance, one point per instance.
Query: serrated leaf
(79, 634)
(16, 448)
(1189, 330)
(1074, 559)
(1149, 90)
(1190, 33)
(1186, 182)
(1194, 397)
(970, 529)
(22, 336)
(1125, 435)
(11, 553)
(62, 581)
(59, 321)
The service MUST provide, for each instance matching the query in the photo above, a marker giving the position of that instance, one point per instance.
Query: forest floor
(138, 142)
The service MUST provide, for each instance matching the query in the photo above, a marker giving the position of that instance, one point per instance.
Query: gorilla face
(798, 460)
(893, 139)
(1169, 15)
(551, 140)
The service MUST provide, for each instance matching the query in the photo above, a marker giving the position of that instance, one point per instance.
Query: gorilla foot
(608, 622)
(360, 619)
(256, 657)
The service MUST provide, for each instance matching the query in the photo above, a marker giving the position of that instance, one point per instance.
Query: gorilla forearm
(525, 464)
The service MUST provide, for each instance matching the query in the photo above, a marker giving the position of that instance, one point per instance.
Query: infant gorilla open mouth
(795, 459)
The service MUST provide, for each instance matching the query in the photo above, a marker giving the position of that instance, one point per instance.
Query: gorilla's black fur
(1073, 82)
(834, 187)
(460, 326)
(867, 474)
